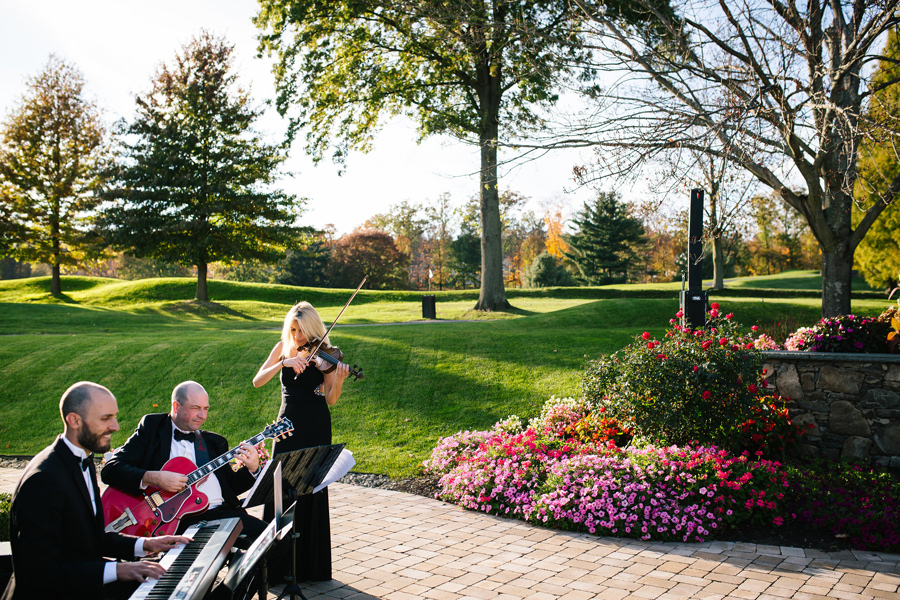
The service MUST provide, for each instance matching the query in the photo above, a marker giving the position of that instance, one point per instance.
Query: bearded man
(56, 518)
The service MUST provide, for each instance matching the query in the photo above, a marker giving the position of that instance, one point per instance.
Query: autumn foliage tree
(53, 147)
(368, 253)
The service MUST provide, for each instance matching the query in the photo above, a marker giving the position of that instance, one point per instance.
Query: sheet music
(341, 467)
(259, 478)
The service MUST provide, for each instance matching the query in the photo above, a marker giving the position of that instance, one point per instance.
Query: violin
(327, 358)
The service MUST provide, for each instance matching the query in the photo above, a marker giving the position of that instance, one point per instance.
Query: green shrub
(547, 271)
(691, 386)
(5, 501)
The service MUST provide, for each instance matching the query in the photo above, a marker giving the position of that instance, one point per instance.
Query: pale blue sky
(118, 45)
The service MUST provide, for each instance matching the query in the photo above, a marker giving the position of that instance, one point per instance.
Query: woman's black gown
(311, 418)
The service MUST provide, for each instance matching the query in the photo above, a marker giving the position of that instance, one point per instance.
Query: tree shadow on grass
(199, 308)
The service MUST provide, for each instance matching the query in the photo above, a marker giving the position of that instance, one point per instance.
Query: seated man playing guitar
(139, 468)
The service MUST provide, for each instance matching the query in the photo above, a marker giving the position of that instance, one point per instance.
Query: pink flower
(714, 313)
(679, 314)
(729, 316)
(696, 368)
(754, 328)
(707, 395)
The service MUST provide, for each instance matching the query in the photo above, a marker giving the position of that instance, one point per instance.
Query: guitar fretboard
(221, 461)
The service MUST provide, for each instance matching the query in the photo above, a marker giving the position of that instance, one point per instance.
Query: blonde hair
(309, 322)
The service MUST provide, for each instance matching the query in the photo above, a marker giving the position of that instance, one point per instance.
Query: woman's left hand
(341, 371)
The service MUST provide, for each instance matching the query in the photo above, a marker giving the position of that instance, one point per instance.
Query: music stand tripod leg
(293, 588)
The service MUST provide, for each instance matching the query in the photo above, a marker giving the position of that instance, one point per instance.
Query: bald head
(77, 398)
(190, 406)
(89, 412)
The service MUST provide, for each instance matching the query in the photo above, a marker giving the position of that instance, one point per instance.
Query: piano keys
(192, 569)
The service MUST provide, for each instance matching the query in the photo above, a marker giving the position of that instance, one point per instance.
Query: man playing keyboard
(56, 522)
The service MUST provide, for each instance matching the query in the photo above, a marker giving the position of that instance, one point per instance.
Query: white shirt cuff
(139, 551)
(109, 573)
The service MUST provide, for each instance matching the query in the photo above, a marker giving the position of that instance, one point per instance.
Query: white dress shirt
(109, 569)
(210, 485)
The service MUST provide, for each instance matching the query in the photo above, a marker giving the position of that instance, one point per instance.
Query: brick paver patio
(392, 546)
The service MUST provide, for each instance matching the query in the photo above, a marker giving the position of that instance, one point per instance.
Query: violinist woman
(306, 394)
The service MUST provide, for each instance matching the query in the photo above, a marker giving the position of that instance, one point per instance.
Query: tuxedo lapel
(73, 468)
(165, 441)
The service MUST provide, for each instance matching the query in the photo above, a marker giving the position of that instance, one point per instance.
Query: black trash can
(428, 307)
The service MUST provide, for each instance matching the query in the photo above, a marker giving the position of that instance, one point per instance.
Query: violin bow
(333, 323)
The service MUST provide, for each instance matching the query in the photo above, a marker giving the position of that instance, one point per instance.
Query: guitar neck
(221, 461)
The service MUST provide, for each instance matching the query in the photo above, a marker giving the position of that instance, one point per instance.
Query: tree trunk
(718, 258)
(55, 283)
(837, 265)
(492, 295)
(202, 292)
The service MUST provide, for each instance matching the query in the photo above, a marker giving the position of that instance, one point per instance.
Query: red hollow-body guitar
(156, 511)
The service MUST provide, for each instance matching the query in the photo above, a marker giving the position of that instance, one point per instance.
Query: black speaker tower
(694, 300)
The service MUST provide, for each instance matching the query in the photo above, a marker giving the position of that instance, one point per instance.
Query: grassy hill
(422, 380)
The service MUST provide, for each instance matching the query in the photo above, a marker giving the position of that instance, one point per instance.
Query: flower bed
(688, 493)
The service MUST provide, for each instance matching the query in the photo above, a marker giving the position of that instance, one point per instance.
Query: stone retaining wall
(852, 402)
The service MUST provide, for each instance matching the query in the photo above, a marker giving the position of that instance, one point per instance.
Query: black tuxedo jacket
(148, 449)
(57, 537)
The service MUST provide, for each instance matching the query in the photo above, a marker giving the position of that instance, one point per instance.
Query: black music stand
(302, 472)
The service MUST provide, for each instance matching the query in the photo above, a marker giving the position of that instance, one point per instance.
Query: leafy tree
(465, 255)
(406, 223)
(193, 187)
(130, 267)
(878, 254)
(547, 270)
(606, 242)
(307, 265)
(474, 69)
(372, 253)
(52, 150)
(441, 216)
(777, 88)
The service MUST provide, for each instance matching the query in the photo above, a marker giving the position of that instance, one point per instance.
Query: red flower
(646, 335)
(696, 368)
(729, 316)
(705, 345)
(765, 383)
(714, 313)
(661, 356)
(707, 395)
(752, 388)
(650, 345)
(723, 341)
(754, 328)
(679, 314)
(714, 306)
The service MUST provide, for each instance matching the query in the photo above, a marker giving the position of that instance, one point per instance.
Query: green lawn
(422, 380)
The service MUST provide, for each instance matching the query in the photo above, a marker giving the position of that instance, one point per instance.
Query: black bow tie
(87, 461)
(181, 436)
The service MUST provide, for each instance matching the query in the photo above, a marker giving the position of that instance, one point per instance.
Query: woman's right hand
(298, 363)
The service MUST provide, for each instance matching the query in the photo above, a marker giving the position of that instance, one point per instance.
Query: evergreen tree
(878, 254)
(607, 241)
(194, 187)
(52, 148)
(307, 265)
